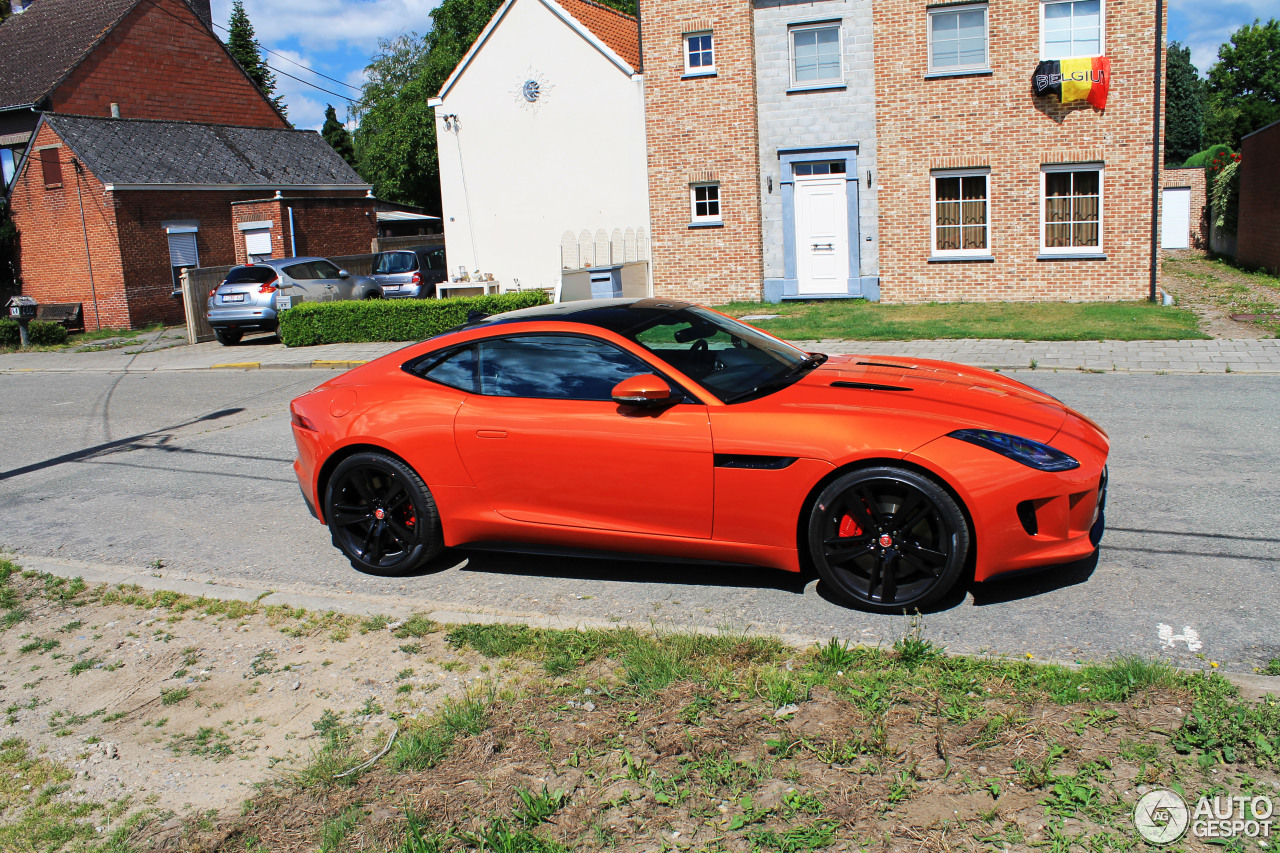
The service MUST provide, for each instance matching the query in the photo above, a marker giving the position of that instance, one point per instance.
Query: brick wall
(702, 129)
(993, 121)
(161, 62)
(52, 242)
(260, 210)
(1258, 234)
(323, 224)
(1194, 179)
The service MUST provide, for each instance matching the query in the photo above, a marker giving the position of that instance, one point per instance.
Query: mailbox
(21, 308)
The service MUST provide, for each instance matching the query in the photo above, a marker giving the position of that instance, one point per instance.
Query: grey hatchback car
(410, 273)
(252, 295)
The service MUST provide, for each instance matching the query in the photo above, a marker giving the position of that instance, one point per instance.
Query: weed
(836, 655)
(421, 748)
(535, 808)
(416, 625)
(70, 626)
(261, 664)
(493, 641)
(174, 695)
(374, 623)
(798, 839)
(40, 646)
(1272, 667)
(336, 830)
(82, 665)
(912, 648)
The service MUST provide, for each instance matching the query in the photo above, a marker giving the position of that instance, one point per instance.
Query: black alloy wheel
(887, 539)
(381, 515)
(227, 337)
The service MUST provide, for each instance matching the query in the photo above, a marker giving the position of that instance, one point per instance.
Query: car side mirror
(343, 274)
(646, 391)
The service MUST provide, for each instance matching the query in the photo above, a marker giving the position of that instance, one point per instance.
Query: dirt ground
(1215, 290)
(188, 711)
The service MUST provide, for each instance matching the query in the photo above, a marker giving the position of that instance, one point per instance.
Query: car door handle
(491, 433)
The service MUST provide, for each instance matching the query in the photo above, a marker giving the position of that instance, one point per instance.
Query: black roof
(40, 46)
(139, 151)
(616, 315)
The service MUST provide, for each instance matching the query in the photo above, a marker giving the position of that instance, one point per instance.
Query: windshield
(394, 262)
(731, 360)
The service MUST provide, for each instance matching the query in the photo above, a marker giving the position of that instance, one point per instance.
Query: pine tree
(1184, 115)
(339, 138)
(243, 45)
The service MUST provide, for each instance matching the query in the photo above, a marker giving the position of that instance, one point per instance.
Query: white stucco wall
(516, 176)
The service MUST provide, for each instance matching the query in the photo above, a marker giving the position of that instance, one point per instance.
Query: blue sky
(338, 37)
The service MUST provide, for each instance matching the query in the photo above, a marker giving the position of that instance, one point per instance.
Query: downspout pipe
(88, 256)
(293, 243)
(1154, 295)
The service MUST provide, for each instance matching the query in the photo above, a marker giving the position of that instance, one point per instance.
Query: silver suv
(410, 273)
(251, 296)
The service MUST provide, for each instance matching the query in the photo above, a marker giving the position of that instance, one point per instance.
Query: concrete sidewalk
(1214, 356)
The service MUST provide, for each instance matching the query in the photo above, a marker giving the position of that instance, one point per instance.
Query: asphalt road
(193, 469)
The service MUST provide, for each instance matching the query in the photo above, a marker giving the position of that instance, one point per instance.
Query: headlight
(1033, 454)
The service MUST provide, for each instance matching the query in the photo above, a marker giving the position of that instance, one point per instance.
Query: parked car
(410, 273)
(252, 295)
(655, 427)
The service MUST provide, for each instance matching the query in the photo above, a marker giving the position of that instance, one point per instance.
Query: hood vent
(882, 364)
(869, 386)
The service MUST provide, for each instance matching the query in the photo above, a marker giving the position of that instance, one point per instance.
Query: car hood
(958, 396)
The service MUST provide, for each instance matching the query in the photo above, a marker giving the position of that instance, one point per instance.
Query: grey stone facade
(796, 124)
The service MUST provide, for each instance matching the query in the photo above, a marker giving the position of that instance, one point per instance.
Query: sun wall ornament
(532, 91)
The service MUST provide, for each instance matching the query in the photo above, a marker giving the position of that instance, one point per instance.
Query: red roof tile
(619, 31)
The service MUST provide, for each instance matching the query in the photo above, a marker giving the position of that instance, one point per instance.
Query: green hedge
(41, 332)
(371, 320)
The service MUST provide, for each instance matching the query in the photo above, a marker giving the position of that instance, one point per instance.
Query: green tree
(243, 45)
(336, 134)
(1244, 84)
(1184, 111)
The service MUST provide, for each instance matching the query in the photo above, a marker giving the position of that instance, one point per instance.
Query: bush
(46, 334)
(1203, 158)
(372, 320)
(41, 332)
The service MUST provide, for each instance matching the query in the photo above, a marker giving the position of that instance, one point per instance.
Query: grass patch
(1026, 321)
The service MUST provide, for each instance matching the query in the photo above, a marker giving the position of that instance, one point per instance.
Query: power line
(295, 62)
(312, 85)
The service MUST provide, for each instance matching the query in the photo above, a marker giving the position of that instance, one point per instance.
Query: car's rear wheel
(373, 294)
(887, 539)
(381, 515)
(227, 337)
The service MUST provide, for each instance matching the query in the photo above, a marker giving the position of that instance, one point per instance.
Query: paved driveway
(193, 470)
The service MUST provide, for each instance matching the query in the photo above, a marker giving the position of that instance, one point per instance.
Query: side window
(324, 269)
(699, 54)
(560, 367)
(457, 370)
(299, 272)
(435, 260)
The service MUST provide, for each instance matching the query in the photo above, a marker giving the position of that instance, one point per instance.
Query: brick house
(839, 148)
(110, 209)
(123, 162)
(704, 155)
(1258, 230)
(1184, 212)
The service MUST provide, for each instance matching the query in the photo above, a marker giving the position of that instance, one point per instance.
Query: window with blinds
(1071, 210)
(961, 208)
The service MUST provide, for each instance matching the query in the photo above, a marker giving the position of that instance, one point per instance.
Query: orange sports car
(659, 428)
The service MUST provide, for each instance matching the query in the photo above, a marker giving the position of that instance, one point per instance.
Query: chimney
(202, 10)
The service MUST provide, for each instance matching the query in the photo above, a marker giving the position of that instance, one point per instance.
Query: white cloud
(329, 24)
(1205, 26)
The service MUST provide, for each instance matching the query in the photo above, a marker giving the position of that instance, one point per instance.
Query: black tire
(887, 539)
(373, 294)
(381, 515)
(228, 337)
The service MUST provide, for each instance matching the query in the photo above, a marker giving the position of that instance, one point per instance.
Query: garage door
(1175, 233)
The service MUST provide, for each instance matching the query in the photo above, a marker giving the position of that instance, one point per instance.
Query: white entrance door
(1175, 232)
(822, 235)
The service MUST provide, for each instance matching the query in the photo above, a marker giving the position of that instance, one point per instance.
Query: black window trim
(418, 367)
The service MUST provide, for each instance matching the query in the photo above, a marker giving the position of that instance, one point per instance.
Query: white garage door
(1175, 233)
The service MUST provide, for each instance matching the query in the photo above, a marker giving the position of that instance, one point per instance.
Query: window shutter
(51, 166)
(257, 242)
(182, 250)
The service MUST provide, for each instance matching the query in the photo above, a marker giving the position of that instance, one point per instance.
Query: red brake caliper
(849, 527)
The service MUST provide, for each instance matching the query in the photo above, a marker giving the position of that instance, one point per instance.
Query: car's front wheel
(227, 337)
(887, 539)
(381, 515)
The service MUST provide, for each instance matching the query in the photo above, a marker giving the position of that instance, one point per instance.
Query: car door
(303, 286)
(545, 443)
(326, 273)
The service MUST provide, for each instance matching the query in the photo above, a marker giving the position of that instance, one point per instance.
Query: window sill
(961, 259)
(972, 72)
(717, 223)
(818, 87)
(694, 75)
(1071, 256)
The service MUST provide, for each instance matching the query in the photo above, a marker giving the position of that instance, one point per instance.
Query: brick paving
(1260, 356)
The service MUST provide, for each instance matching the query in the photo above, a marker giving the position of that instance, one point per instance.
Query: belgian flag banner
(1084, 79)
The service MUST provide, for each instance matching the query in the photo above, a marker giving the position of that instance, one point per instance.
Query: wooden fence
(197, 282)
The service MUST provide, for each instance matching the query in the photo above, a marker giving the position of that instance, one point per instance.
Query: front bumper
(1024, 519)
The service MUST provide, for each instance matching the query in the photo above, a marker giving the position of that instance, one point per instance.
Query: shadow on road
(1037, 583)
